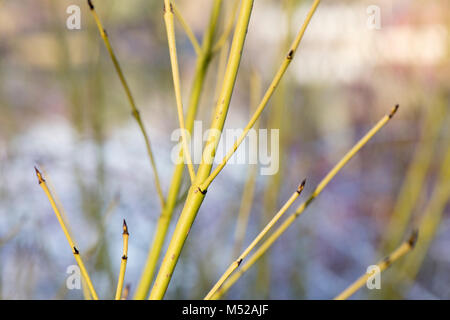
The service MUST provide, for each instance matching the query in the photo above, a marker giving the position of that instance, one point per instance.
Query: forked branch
(274, 84)
(404, 248)
(75, 251)
(288, 222)
(190, 34)
(258, 238)
(168, 19)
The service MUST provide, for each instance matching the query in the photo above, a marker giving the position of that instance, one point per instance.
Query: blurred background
(62, 108)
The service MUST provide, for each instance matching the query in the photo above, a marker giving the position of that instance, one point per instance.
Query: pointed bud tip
(125, 227)
(301, 186)
(39, 175)
(393, 111)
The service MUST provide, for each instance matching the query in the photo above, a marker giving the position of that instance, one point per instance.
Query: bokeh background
(63, 108)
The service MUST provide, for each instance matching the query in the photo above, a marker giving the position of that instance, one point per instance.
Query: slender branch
(276, 80)
(285, 225)
(75, 251)
(52, 189)
(404, 248)
(258, 238)
(228, 28)
(190, 34)
(203, 62)
(168, 19)
(429, 222)
(416, 174)
(135, 112)
(220, 71)
(123, 263)
(196, 195)
(87, 253)
(85, 289)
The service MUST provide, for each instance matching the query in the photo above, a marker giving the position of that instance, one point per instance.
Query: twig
(430, 221)
(123, 263)
(85, 289)
(283, 227)
(168, 19)
(196, 195)
(74, 249)
(404, 248)
(258, 238)
(415, 176)
(228, 28)
(51, 188)
(203, 62)
(190, 34)
(276, 80)
(135, 112)
(221, 67)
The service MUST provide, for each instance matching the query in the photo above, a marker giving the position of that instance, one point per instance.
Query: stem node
(301, 186)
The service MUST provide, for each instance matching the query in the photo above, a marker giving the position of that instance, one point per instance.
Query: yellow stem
(168, 19)
(196, 195)
(429, 223)
(276, 80)
(48, 182)
(404, 248)
(416, 174)
(258, 238)
(86, 292)
(73, 247)
(190, 34)
(165, 217)
(134, 110)
(228, 28)
(283, 227)
(123, 263)
(220, 71)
